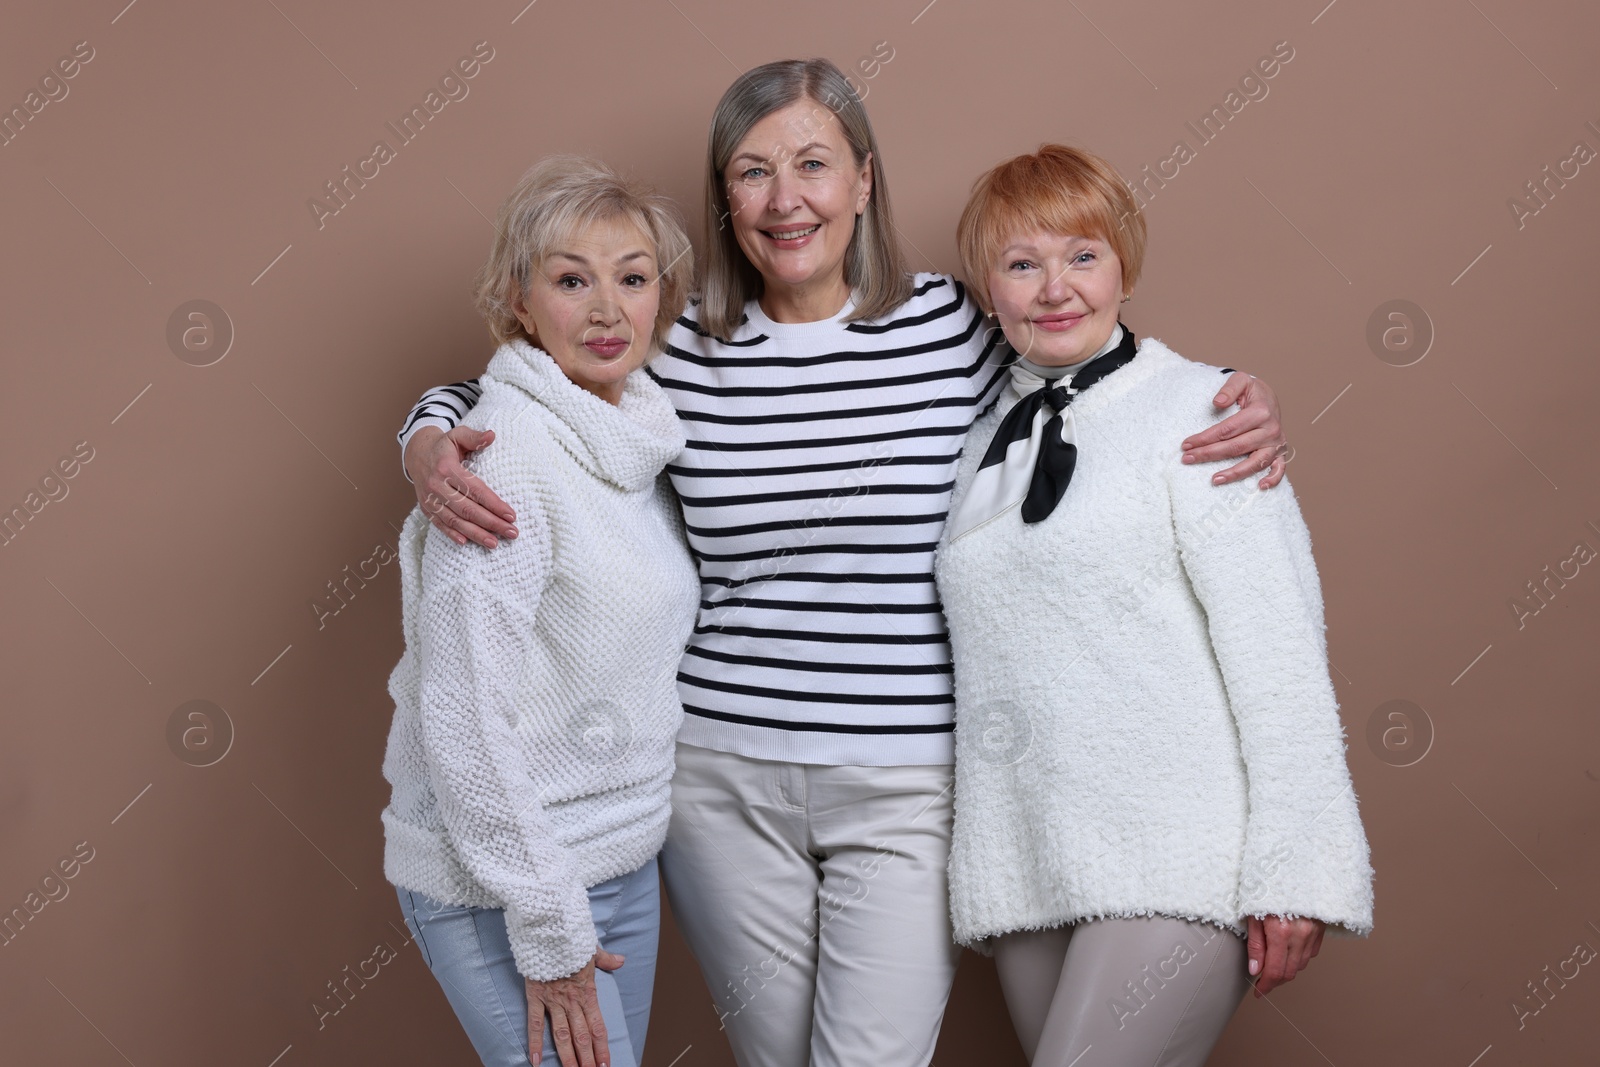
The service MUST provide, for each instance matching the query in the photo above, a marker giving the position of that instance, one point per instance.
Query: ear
(519, 308)
(865, 196)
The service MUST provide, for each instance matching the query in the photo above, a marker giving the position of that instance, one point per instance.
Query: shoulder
(935, 299)
(1178, 388)
(688, 339)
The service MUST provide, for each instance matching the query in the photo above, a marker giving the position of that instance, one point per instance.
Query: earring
(1127, 297)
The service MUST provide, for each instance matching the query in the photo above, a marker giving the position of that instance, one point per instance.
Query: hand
(1253, 432)
(1280, 948)
(455, 499)
(576, 1028)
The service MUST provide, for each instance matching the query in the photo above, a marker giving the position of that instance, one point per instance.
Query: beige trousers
(1138, 992)
(814, 898)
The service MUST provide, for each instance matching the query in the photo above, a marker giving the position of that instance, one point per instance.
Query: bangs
(1057, 190)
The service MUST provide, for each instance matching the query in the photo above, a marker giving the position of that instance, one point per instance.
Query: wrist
(418, 447)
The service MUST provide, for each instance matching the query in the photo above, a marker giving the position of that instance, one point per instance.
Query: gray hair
(556, 198)
(874, 267)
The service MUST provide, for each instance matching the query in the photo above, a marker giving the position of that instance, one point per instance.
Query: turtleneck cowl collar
(626, 444)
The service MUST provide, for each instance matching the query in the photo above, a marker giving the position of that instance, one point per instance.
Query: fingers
(598, 1042)
(1313, 930)
(450, 501)
(1275, 967)
(467, 441)
(563, 1030)
(1244, 444)
(535, 1023)
(457, 501)
(1275, 471)
(608, 961)
(577, 1028)
(1255, 945)
(1246, 426)
(1254, 463)
(1232, 389)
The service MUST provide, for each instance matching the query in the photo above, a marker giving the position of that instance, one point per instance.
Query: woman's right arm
(432, 447)
(478, 656)
(1247, 555)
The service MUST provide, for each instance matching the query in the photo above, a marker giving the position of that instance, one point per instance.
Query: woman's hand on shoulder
(457, 501)
(1280, 948)
(1254, 432)
(573, 1004)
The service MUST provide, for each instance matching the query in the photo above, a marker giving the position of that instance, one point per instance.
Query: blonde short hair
(1058, 189)
(874, 266)
(558, 197)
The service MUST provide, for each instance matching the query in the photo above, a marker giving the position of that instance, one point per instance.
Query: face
(794, 192)
(592, 305)
(1056, 296)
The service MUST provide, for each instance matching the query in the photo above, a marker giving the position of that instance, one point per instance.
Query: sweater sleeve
(1247, 555)
(477, 653)
(443, 406)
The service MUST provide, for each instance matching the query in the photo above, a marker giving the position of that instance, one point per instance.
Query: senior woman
(535, 708)
(825, 393)
(1149, 759)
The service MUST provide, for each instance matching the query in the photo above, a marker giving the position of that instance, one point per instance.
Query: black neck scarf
(1034, 450)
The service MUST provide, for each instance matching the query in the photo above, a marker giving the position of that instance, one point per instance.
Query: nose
(1056, 288)
(606, 310)
(784, 195)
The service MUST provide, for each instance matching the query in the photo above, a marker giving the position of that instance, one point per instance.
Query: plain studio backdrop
(1397, 229)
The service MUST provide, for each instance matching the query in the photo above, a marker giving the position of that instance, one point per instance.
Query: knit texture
(1145, 724)
(536, 703)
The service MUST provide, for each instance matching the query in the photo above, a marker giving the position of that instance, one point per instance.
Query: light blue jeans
(468, 952)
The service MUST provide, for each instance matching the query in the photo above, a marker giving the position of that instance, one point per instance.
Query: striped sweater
(815, 486)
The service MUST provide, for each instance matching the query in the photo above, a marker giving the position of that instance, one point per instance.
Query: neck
(1052, 372)
(806, 302)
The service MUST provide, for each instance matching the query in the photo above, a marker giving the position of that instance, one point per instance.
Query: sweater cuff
(556, 944)
(1325, 874)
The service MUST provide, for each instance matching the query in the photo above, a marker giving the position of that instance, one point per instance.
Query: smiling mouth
(792, 235)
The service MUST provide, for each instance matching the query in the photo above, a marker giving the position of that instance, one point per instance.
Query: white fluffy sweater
(536, 703)
(1144, 719)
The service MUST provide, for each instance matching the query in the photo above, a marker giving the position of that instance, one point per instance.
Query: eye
(1084, 257)
(569, 283)
(636, 281)
(1018, 265)
(753, 174)
(812, 165)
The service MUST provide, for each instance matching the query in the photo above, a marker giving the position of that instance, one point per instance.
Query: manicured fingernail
(511, 531)
(1255, 966)
(1188, 457)
(1216, 479)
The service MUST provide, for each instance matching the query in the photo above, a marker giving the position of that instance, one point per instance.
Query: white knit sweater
(1144, 719)
(536, 704)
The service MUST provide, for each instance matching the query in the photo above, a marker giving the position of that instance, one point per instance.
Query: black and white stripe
(815, 486)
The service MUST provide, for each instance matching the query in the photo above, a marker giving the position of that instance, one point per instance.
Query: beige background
(184, 559)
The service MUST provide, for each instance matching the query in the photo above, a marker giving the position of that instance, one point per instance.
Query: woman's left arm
(1247, 555)
(1254, 432)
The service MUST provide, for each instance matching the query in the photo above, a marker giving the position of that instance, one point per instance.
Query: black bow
(1057, 459)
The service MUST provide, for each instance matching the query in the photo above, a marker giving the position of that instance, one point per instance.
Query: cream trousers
(815, 899)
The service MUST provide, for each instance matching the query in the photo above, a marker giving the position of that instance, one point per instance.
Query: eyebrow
(641, 254)
(1019, 247)
(802, 150)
